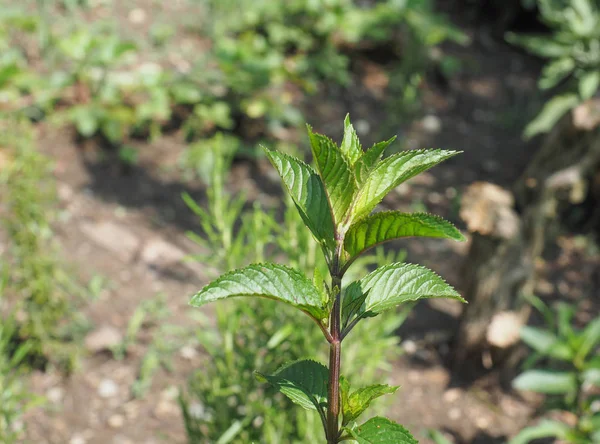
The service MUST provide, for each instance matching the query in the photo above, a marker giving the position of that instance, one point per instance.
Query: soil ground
(129, 225)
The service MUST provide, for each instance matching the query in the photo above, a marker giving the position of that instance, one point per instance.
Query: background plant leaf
(304, 382)
(540, 45)
(267, 280)
(545, 342)
(590, 339)
(556, 71)
(546, 381)
(545, 429)
(552, 111)
(589, 84)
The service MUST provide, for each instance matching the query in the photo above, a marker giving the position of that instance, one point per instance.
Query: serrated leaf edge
(213, 283)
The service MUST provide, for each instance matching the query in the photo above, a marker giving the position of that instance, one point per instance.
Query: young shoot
(336, 200)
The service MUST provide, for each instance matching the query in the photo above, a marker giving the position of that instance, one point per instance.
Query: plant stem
(335, 353)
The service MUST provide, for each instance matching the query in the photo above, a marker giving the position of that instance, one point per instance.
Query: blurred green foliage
(565, 365)
(224, 402)
(572, 71)
(263, 59)
(15, 399)
(38, 287)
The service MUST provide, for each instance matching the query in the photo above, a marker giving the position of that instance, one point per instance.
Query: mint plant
(335, 202)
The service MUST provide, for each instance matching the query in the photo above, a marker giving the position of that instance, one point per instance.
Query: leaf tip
(260, 377)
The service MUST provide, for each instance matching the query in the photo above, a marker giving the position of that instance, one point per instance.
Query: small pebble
(165, 409)
(55, 395)
(188, 352)
(482, 422)
(170, 393)
(137, 16)
(409, 347)
(108, 388)
(116, 421)
(454, 414)
(104, 338)
(432, 124)
(77, 439)
(452, 395)
(362, 127)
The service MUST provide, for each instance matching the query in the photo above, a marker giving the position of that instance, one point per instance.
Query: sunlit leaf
(380, 430)
(308, 192)
(350, 146)
(392, 285)
(336, 174)
(369, 159)
(390, 173)
(272, 281)
(304, 382)
(385, 226)
(358, 401)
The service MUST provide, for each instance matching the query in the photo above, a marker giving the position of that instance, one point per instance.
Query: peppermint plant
(336, 200)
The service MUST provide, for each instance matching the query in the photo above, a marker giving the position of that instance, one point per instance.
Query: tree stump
(510, 230)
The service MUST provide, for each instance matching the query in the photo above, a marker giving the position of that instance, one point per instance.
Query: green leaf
(552, 111)
(392, 285)
(592, 376)
(336, 174)
(360, 400)
(308, 192)
(588, 84)
(556, 71)
(544, 429)
(350, 146)
(268, 280)
(547, 382)
(304, 382)
(546, 343)
(319, 283)
(232, 431)
(564, 316)
(113, 130)
(86, 120)
(390, 173)
(590, 339)
(380, 430)
(353, 303)
(384, 226)
(437, 437)
(344, 391)
(540, 45)
(369, 159)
